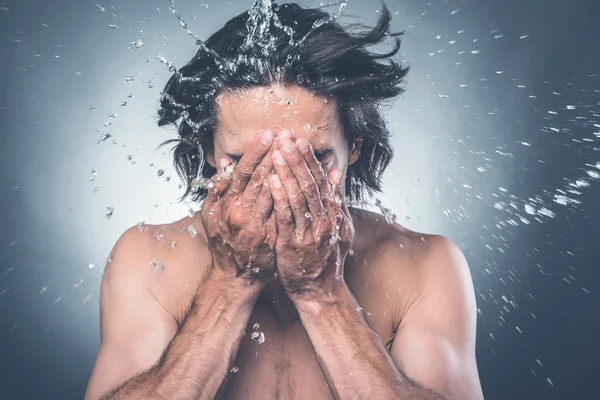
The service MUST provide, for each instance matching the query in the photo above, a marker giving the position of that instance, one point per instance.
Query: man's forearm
(351, 355)
(201, 354)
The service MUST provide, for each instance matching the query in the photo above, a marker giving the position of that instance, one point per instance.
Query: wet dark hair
(258, 48)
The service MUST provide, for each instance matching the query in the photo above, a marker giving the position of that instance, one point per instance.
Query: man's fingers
(295, 196)
(284, 216)
(303, 175)
(251, 158)
(219, 183)
(334, 205)
(271, 230)
(316, 168)
(263, 206)
(335, 179)
(257, 180)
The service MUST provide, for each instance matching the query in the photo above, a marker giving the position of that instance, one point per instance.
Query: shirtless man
(277, 289)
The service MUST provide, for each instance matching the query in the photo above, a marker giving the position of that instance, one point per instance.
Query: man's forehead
(245, 113)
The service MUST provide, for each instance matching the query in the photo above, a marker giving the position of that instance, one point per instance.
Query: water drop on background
(109, 212)
(259, 337)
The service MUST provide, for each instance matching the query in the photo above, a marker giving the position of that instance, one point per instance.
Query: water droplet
(90, 265)
(192, 230)
(234, 370)
(259, 337)
(103, 138)
(93, 174)
(157, 265)
(109, 212)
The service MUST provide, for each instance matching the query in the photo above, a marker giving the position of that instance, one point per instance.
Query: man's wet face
(243, 115)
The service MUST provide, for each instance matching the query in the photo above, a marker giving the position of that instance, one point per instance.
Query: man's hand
(314, 227)
(237, 214)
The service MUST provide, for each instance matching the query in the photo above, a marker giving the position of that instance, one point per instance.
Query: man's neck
(275, 297)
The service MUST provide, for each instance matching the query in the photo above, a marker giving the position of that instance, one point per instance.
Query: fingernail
(276, 182)
(302, 145)
(223, 163)
(266, 137)
(287, 145)
(335, 177)
(278, 158)
(285, 135)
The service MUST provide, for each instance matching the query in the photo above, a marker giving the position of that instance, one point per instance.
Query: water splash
(182, 22)
(390, 217)
(184, 25)
(261, 16)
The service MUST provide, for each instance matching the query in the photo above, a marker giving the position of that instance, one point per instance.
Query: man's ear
(355, 151)
(210, 159)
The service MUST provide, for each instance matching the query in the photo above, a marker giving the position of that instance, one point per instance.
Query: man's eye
(322, 156)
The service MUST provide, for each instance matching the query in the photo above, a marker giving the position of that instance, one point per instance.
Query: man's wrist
(237, 290)
(325, 297)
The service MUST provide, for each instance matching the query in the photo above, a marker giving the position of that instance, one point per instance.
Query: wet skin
(383, 312)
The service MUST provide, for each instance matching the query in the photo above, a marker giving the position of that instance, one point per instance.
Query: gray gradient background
(537, 283)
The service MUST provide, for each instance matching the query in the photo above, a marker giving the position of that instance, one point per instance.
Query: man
(277, 289)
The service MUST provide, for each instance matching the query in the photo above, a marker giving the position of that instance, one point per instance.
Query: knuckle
(260, 173)
(285, 218)
(312, 191)
(236, 218)
(245, 169)
(297, 202)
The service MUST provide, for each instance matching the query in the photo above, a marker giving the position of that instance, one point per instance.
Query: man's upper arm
(435, 342)
(135, 328)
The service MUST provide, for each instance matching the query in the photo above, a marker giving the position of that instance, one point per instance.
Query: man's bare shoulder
(169, 259)
(400, 265)
(376, 237)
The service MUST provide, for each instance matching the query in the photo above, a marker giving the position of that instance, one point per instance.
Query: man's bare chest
(274, 362)
(277, 362)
